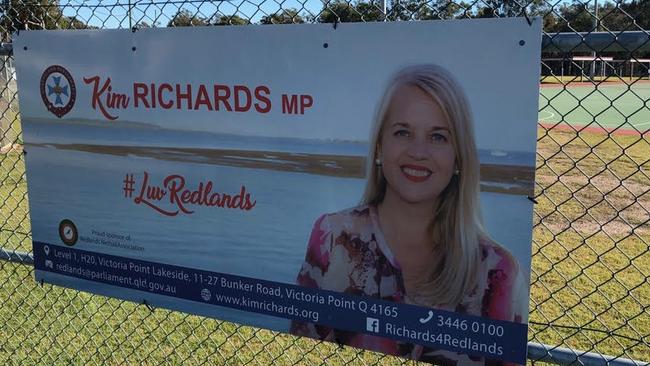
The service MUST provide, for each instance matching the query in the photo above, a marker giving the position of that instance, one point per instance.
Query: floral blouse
(348, 253)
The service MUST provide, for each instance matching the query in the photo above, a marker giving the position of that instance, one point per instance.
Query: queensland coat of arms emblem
(58, 90)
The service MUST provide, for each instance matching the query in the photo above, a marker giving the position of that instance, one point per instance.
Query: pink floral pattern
(347, 253)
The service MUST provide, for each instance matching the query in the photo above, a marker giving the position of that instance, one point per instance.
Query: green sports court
(616, 106)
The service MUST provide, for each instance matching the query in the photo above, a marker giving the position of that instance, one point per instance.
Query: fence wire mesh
(590, 284)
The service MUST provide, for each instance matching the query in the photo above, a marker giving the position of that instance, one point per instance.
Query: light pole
(592, 71)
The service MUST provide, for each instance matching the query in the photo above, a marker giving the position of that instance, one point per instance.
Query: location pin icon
(46, 249)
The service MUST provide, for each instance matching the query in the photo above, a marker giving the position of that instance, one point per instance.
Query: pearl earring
(378, 162)
(456, 172)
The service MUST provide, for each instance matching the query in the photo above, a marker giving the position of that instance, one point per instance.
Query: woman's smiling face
(416, 147)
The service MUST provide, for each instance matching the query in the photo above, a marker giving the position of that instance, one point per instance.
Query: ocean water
(266, 242)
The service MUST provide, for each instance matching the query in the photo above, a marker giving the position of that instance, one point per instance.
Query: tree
(621, 17)
(35, 14)
(339, 11)
(184, 18)
(410, 10)
(73, 23)
(452, 10)
(500, 8)
(230, 20)
(640, 11)
(343, 11)
(575, 17)
(286, 16)
(370, 12)
(142, 24)
(614, 17)
(428, 9)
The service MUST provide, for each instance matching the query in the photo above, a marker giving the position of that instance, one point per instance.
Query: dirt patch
(602, 130)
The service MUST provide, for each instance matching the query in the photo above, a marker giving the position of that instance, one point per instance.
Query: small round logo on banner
(58, 90)
(68, 232)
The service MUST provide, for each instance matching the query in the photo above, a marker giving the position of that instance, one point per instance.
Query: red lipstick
(415, 173)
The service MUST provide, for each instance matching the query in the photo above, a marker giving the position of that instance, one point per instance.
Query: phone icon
(429, 317)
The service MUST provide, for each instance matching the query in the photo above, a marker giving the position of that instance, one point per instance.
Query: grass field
(590, 254)
(591, 265)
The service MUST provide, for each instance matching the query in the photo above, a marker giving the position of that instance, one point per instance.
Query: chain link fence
(590, 284)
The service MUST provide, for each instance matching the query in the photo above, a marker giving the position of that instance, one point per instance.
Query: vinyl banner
(365, 184)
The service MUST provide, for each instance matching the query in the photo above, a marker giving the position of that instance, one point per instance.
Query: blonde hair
(457, 219)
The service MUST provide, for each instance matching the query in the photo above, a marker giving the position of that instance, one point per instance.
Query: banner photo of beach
(224, 172)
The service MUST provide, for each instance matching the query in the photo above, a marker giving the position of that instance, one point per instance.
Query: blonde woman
(417, 236)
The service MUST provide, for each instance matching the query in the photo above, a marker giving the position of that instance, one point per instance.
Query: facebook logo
(372, 325)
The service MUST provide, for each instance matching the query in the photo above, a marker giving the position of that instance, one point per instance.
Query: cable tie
(530, 22)
(145, 303)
